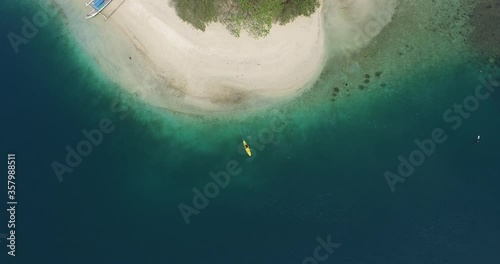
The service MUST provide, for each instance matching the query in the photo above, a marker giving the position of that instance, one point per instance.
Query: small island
(227, 56)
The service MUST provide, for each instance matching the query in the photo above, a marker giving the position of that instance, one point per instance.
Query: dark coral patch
(378, 73)
(367, 81)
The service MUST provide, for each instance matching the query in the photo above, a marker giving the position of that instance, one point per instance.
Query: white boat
(97, 7)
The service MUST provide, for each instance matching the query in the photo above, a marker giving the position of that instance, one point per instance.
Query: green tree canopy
(254, 16)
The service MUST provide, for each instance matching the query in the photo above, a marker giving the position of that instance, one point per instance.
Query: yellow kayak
(247, 148)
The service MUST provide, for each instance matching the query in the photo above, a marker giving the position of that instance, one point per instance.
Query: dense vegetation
(254, 16)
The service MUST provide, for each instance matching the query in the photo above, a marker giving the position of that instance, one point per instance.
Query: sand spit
(146, 48)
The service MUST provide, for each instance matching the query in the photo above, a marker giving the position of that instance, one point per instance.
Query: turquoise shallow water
(321, 176)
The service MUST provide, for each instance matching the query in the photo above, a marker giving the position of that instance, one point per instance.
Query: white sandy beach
(175, 66)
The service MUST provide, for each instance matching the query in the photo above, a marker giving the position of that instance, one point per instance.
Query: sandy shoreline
(214, 68)
(151, 52)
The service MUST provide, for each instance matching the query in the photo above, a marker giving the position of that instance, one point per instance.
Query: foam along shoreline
(151, 52)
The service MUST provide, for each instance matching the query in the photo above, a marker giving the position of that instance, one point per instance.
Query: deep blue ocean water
(120, 205)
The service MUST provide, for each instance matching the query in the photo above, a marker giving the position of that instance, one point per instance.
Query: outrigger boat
(247, 148)
(97, 7)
